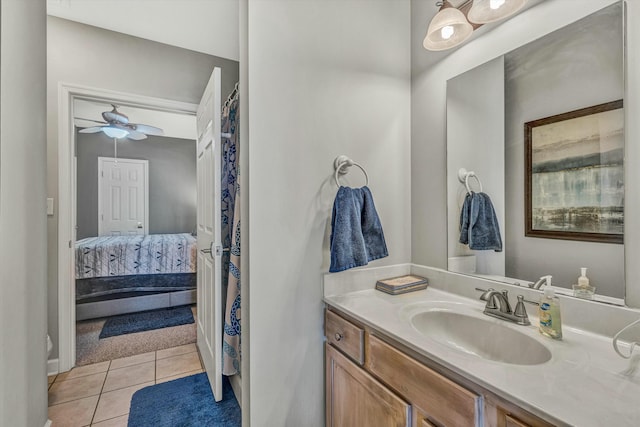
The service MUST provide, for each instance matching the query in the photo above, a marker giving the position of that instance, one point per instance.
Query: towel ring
(341, 165)
(464, 175)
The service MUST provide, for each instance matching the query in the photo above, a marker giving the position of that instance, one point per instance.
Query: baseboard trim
(48, 423)
(236, 385)
(53, 365)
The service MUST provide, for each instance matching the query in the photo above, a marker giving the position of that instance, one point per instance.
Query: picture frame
(574, 175)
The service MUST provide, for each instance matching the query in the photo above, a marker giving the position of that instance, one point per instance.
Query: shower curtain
(231, 236)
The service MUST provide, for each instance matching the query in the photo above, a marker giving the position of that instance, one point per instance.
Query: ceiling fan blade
(90, 120)
(135, 135)
(94, 129)
(149, 130)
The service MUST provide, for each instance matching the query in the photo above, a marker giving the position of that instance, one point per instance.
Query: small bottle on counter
(549, 313)
(583, 289)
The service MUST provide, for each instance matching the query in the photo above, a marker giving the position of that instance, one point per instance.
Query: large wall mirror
(576, 67)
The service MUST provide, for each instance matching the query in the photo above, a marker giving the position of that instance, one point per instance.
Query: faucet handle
(520, 310)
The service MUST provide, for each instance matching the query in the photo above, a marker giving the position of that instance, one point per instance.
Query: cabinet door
(355, 398)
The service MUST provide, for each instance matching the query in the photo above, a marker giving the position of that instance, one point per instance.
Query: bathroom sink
(485, 338)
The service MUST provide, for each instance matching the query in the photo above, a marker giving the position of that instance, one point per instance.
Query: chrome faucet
(544, 280)
(498, 306)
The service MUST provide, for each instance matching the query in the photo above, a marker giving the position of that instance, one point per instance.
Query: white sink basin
(485, 338)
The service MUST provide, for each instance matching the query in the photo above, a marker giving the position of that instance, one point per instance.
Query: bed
(124, 274)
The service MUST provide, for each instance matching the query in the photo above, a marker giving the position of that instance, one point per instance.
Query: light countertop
(584, 384)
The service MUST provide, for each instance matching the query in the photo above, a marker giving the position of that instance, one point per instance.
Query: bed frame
(132, 304)
(125, 274)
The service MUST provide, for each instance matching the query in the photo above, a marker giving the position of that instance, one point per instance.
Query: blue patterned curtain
(231, 238)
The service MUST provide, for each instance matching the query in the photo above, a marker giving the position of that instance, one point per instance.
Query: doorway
(134, 252)
(68, 202)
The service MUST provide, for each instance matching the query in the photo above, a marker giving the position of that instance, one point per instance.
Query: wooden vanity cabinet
(370, 382)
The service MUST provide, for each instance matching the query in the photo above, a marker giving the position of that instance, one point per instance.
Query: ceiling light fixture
(453, 25)
(447, 29)
(115, 132)
(486, 11)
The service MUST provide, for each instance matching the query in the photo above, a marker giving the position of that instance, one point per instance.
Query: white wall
(23, 319)
(170, 22)
(90, 56)
(428, 107)
(325, 78)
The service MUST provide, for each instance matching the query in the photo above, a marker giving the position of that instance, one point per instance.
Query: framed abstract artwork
(574, 175)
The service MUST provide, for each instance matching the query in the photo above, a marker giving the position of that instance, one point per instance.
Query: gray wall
(172, 180)
(325, 78)
(85, 55)
(23, 290)
(576, 67)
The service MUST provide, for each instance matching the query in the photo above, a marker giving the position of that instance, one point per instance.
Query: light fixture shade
(457, 29)
(485, 11)
(115, 132)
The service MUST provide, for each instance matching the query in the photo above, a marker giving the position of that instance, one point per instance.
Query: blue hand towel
(356, 232)
(479, 226)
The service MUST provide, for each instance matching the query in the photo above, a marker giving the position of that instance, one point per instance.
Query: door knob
(139, 225)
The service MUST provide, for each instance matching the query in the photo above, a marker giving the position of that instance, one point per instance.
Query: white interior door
(210, 315)
(123, 196)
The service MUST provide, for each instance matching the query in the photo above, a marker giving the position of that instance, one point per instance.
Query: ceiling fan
(117, 125)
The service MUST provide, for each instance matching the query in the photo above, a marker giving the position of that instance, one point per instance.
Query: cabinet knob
(338, 336)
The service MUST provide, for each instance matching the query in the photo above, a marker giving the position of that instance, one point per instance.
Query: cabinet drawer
(344, 335)
(444, 401)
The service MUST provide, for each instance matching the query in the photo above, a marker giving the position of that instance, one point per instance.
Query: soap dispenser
(549, 313)
(583, 289)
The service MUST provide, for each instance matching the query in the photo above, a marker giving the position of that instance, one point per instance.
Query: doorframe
(67, 93)
(145, 163)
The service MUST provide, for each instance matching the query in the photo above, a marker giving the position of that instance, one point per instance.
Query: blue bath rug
(184, 402)
(146, 321)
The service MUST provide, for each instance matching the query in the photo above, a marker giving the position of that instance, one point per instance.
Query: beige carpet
(91, 349)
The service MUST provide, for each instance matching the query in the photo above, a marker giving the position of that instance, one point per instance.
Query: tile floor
(100, 394)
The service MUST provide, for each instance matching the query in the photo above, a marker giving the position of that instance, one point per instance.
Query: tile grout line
(100, 395)
(133, 364)
(126, 386)
(57, 381)
(79, 398)
(112, 418)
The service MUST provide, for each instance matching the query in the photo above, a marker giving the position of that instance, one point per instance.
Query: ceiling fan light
(115, 132)
(486, 11)
(447, 29)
